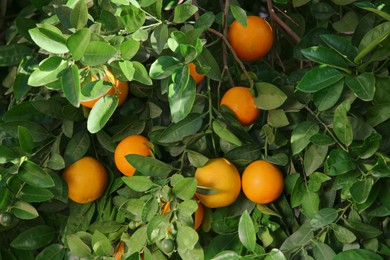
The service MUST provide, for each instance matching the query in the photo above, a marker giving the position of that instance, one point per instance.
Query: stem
(280, 22)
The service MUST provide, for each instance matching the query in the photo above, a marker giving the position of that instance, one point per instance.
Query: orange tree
(320, 86)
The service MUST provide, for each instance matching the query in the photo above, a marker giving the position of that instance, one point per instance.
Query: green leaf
(177, 131)
(372, 39)
(323, 251)
(314, 157)
(132, 17)
(315, 181)
(34, 175)
(70, 82)
(328, 97)
(35, 194)
(77, 246)
(347, 24)
(78, 42)
(275, 254)
(323, 55)
(321, 139)
(181, 94)
(187, 237)
(298, 3)
(138, 183)
(164, 67)
(149, 166)
(354, 254)
(34, 238)
(319, 78)
(268, 96)
(205, 21)
(342, 45)
(378, 114)
(26, 140)
(244, 154)
(49, 38)
(138, 240)
(79, 15)
(310, 203)
(95, 89)
(129, 48)
(239, 14)
(324, 217)
(363, 230)
(183, 12)
(196, 159)
(13, 54)
(277, 118)
(159, 38)
(140, 74)
(300, 136)
(52, 252)
(48, 71)
(363, 85)
(342, 127)
(378, 9)
(24, 210)
(343, 234)
(360, 190)
(77, 147)
(185, 188)
(97, 53)
(101, 112)
(6, 154)
(206, 58)
(220, 128)
(246, 231)
(338, 162)
(298, 239)
(101, 244)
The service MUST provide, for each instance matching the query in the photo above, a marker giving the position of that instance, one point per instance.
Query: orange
(119, 250)
(223, 178)
(119, 87)
(252, 42)
(262, 182)
(242, 103)
(87, 180)
(133, 144)
(198, 216)
(195, 75)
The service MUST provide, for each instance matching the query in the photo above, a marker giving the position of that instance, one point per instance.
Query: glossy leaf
(138, 183)
(360, 190)
(342, 127)
(34, 175)
(48, 71)
(132, 17)
(26, 140)
(35, 194)
(378, 114)
(70, 82)
(101, 113)
(101, 244)
(323, 251)
(185, 188)
(319, 78)
(6, 154)
(224, 133)
(363, 230)
(297, 239)
(239, 14)
(97, 53)
(338, 162)
(328, 97)
(363, 85)
(163, 67)
(324, 217)
(159, 38)
(301, 134)
(373, 8)
(140, 74)
(24, 210)
(354, 254)
(325, 56)
(277, 118)
(314, 157)
(343, 234)
(310, 203)
(77, 246)
(342, 45)
(77, 147)
(78, 42)
(246, 231)
(34, 238)
(176, 132)
(183, 12)
(52, 252)
(149, 166)
(79, 15)
(129, 48)
(268, 96)
(49, 38)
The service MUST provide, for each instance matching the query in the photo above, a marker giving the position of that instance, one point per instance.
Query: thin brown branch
(280, 22)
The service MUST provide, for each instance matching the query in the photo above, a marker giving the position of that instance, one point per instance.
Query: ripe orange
(119, 87)
(195, 75)
(241, 101)
(222, 176)
(253, 41)
(262, 182)
(119, 250)
(198, 216)
(133, 144)
(87, 180)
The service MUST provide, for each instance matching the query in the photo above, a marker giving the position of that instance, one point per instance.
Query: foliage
(324, 123)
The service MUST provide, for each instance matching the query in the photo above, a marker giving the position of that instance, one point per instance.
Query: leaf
(77, 147)
(205, 21)
(360, 190)
(342, 45)
(79, 15)
(239, 14)
(24, 210)
(77, 246)
(328, 97)
(164, 67)
(35, 194)
(319, 78)
(363, 230)
(138, 240)
(33, 174)
(324, 217)
(26, 140)
(185, 188)
(299, 238)
(6, 154)
(97, 53)
(314, 157)
(378, 114)
(183, 12)
(49, 38)
(323, 251)
(300, 136)
(140, 74)
(132, 17)
(70, 82)
(363, 85)
(138, 183)
(176, 132)
(159, 38)
(268, 96)
(354, 254)
(48, 71)
(298, 3)
(34, 238)
(371, 39)
(275, 254)
(246, 231)
(338, 162)
(342, 127)
(101, 244)
(323, 55)
(224, 133)
(129, 48)
(206, 58)
(375, 9)
(316, 179)
(196, 159)
(13, 54)
(149, 166)
(343, 234)
(101, 112)
(52, 252)
(277, 118)
(310, 203)
(78, 42)
(347, 24)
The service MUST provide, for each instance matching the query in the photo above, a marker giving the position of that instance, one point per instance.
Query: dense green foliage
(324, 92)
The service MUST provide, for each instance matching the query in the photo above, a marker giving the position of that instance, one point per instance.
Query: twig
(224, 50)
(280, 22)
